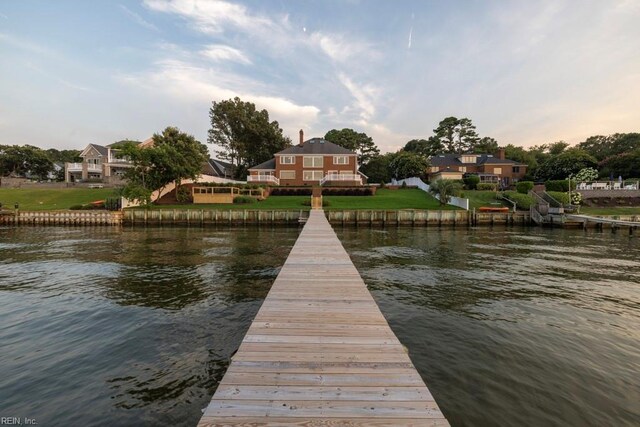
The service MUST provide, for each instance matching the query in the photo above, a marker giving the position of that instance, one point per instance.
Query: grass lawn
(614, 210)
(409, 198)
(51, 199)
(483, 198)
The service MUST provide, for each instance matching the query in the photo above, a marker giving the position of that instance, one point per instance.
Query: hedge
(337, 191)
(244, 200)
(561, 185)
(485, 186)
(524, 187)
(283, 191)
(523, 201)
(560, 196)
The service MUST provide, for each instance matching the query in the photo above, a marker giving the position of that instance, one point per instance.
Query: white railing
(341, 177)
(119, 160)
(417, 182)
(94, 168)
(608, 185)
(74, 167)
(263, 178)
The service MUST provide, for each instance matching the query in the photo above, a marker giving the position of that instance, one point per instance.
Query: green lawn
(483, 198)
(409, 198)
(614, 210)
(51, 199)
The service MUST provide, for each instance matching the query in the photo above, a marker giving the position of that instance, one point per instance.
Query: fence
(417, 182)
(18, 217)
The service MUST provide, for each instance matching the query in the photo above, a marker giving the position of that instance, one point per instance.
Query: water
(513, 327)
(101, 326)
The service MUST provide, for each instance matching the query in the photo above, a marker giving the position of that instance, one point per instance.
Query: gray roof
(316, 146)
(454, 160)
(220, 168)
(100, 149)
(269, 164)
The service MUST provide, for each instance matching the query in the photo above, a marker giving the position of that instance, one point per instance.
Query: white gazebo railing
(263, 178)
(341, 177)
(608, 185)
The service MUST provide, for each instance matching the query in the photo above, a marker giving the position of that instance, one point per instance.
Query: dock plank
(319, 351)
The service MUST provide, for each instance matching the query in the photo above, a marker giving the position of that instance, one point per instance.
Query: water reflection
(513, 327)
(126, 327)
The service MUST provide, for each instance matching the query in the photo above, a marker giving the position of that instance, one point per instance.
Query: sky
(525, 72)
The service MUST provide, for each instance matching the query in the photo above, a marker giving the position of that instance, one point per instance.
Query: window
(340, 160)
(516, 169)
(287, 174)
(497, 171)
(468, 159)
(311, 175)
(287, 160)
(312, 161)
(435, 169)
(463, 168)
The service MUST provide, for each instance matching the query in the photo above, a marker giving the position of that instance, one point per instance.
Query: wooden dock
(320, 352)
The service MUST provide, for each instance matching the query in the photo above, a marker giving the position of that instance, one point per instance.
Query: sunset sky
(525, 72)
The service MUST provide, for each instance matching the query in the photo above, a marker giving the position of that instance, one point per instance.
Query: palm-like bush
(445, 189)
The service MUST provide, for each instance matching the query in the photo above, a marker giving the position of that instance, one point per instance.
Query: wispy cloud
(3, 16)
(222, 53)
(27, 45)
(138, 19)
(60, 80)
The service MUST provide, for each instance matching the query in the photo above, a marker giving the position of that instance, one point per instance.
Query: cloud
(365, 97)
(342, 50)
(221, 53)
(3, 16)
(22, 44)
(138, 19)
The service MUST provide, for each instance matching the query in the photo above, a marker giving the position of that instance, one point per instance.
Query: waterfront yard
(479, 198)
(409, 198)
(51, 199)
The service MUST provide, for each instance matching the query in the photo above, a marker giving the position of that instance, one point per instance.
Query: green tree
(445, 189)
(626, 165)
(601, 147)
(245, 135)
(486, 145)
(64, 156)
(556, 148)
(24, 160)
(377, 168)
(586, 175)
(406, 165)
(456, 135)
(426, 147)
(174, 156)
(569, 162)
(359, 142)
(520, 155)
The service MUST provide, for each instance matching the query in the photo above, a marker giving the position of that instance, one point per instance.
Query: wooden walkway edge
(320, 352)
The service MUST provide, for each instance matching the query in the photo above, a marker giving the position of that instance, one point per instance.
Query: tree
(359, 142)
(586, 175)
(486, 145)
(601, 147)
(406, 165)
(377, 168)
(64, 156)
(174, 156)
(445, 189)
(426, 147)
(24, 160)
(556, 148)
(456, 135)
(245, 135)
(569, 162)
(520, 155)
(626, 165)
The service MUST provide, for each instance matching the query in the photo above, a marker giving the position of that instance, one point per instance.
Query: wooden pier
(598, 222)
(320, 352)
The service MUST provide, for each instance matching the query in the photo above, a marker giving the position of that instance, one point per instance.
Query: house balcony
(119, 161)
(342, 177)
(77, 167)
(269, 179)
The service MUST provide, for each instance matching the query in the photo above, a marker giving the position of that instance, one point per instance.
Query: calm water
(136, 327)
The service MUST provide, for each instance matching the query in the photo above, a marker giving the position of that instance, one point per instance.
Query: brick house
(490, 169)
(312, 162)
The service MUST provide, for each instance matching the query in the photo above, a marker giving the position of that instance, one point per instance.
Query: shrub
(485, 186)
(404, 184)
(561, 185)
(523, 187)
(338, 191)
(471, 182)
(576, 198)
(523, 201)
(183, 194)
(284, 191)
(244, 200)
(559, 196)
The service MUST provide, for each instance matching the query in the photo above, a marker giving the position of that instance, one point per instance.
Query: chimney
(501, 153)
(301, 137)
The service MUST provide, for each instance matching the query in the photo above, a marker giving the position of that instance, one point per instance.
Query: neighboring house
(490, 169)
(312, 162)
(217, 168)
(100, 163)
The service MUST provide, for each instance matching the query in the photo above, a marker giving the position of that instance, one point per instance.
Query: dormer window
(467, 158)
